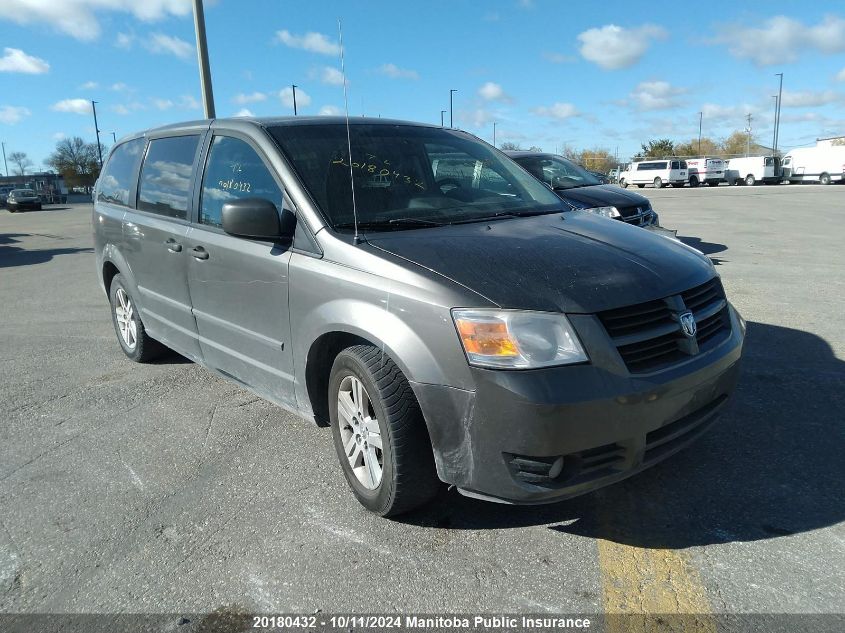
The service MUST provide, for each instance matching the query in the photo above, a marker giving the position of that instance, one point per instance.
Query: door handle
(199, 252)
(173, 246)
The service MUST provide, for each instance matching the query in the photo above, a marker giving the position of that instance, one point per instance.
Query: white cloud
(656, 95)
(613, 47)
(13, 114)
(167, 44)
(731, 115)
(244, 112)
(313, 42)
(781, 39)
(810, 99)
(163, 104)
(255, 97)
(840, 76)
(479, 117)
(331, 75)
(558, 111)
(119, 87)
(491, 91)
(128, 108)
(59, 136)
(492, 16)
(330, 110)
(77, 106)
(78, 18)
(286, 97)
(14, 60)
(394, 72)
(89, 85)
(188, 102)
(124, 40)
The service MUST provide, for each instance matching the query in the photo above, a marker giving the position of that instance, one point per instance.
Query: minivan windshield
(559, 173)
(407, 176)
(23, 193)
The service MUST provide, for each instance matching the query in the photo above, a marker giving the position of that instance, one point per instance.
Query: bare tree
(510, 145)
(21, 161)
(77, 161)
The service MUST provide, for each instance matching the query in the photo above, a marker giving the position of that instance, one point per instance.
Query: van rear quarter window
(116, 181)
(166, 176)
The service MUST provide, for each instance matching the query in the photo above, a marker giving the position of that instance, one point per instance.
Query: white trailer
(752, 170)
(704, 170)
(824, 164)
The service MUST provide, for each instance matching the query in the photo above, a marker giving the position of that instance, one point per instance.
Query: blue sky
(550, 73)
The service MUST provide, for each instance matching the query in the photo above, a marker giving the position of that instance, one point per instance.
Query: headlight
(512, 339)
(608, 212)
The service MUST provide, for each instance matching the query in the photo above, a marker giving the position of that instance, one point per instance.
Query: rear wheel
(623, 184)
(750, 180)
(379, 433)
(824, 179)
(658, 183)
(133, 338)
(693, 181)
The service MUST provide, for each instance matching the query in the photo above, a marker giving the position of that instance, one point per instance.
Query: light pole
(494, 134)
(294, 98)
(700, 118)
(97, 130)
(5, 166)
(451, 112)
(202, 59)
(777, 114)
(442, 112)
(774, 125)
(113, 138)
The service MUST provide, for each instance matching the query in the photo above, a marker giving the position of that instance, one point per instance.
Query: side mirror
(256, 218)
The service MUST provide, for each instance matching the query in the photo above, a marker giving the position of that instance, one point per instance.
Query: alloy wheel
(124, 312)
(360, 432)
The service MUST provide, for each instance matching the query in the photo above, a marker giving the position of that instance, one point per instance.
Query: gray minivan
(413, 288)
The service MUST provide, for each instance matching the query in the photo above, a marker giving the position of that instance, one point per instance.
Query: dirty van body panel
(240, 302)
(572, 262)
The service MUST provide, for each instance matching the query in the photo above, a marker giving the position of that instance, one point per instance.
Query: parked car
(20, 199)
(751, 170)
(602, 178)
(581, 190)
(4, 194)
(823, 164)
(705, 171)
(655, 172)
(466, 328)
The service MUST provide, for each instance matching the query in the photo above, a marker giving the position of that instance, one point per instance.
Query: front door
(154, 241)
(239, 286)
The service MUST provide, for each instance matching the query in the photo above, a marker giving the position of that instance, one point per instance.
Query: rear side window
(116, 180)
(166, 176)
(234, 171)
(676, 164)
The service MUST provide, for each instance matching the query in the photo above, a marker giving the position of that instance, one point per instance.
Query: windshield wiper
(394, 223)
(508, 214)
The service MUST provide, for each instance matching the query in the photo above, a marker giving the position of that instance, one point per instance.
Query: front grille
(648, 336)
(639, 216)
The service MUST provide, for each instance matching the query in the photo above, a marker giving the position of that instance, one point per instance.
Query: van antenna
(356, 239)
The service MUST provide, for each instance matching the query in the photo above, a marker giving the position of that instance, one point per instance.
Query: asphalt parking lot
(159, 488)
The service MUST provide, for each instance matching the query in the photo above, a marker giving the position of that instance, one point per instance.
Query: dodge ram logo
(688, 324)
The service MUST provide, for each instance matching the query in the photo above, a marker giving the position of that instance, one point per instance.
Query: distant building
(830, 141)
(49, 186)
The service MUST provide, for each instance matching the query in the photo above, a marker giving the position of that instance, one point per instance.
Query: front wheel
(824, 179)
(693, 181)
(623, 184)
(750, 180)
(658, 183)
(379, 433)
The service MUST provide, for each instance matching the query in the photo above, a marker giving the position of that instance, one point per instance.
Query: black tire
(693, 181)
(824, 179)
(658, 183)
(750, 180)
(409, 478)
(623, 184)
(146, 348)
(640, 186)
(11, 210)
(38, 208)
(677, 185)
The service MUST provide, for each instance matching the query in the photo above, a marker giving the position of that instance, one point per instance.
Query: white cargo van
(671, 171)
(752, 170)
(824, 164)
(704, 170)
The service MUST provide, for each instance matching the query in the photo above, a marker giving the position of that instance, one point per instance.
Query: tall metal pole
(294, 98)
(113, 137)
(494, 134)
(777, 116)
(5, 166)
(451, 113)
(700, 118)
(97, 129)
(202, 59)
(774, 125)
(748, 141)
(442, 112)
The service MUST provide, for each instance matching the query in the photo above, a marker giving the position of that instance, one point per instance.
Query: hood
(602, 196)
(572, 262)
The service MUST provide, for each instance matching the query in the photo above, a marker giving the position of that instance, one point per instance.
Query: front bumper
(504, 440)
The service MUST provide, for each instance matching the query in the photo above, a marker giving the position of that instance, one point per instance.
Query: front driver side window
(234, 170)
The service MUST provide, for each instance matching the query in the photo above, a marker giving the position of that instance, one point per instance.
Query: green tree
(737, 144)
(77, 161)
(658, 148)
(598, 159)
(21, 163)
(709, 147)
